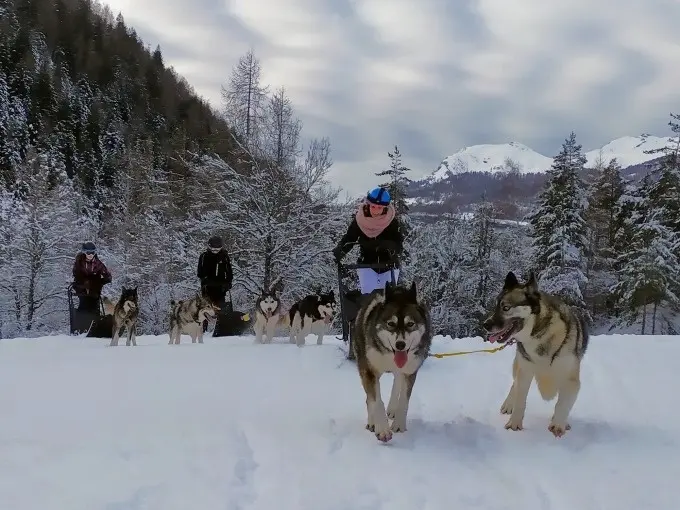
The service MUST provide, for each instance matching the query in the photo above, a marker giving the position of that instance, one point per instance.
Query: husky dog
(551, 342)
(312, 314)
(187, 317)
(125, 314)
(267, 316)
(392, 333)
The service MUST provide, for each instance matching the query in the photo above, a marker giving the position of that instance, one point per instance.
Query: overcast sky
(434, 76)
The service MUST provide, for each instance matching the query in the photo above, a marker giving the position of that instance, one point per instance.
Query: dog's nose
(400, 345)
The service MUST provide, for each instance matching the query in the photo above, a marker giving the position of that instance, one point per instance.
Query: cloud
(434, 76)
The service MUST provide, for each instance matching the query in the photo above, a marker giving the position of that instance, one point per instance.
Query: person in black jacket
(376, 230)
(214, 271)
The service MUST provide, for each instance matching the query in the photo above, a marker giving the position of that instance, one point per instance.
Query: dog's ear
(531, 284)
(511, 281)
(389, 290)
(331, 294)
(413, 293)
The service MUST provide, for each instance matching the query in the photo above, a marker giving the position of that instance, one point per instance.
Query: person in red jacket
(89, 276)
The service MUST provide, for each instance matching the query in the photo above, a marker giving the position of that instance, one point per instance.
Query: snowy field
(233, 426)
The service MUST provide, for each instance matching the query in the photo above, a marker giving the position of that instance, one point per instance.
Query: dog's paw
(398, 426)
(514, 424)
(370, 427)
(558, 429)
(506, 407)
(391, 412)
(384, 435)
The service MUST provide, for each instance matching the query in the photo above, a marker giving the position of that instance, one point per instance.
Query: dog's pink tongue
(400, 358)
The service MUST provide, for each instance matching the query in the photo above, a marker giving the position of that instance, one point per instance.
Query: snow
(491, 158)
(628, 150)
(232, 425)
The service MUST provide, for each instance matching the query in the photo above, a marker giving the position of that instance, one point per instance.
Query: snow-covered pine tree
(649, 270)
(483, 241)
(436, 264)
(558, 227)
(602, 218)
(397, 184)
(664, 192)
(397, 181)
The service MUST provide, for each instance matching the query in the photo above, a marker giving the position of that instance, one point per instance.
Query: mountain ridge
(493, 158)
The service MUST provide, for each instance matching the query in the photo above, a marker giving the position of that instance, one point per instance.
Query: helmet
(215, 242)
(379, 196)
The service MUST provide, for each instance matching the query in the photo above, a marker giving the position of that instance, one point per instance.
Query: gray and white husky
(392, 333)
(187, 317)
(552, 339)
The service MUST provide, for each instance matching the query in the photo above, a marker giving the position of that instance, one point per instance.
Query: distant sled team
(390, 323)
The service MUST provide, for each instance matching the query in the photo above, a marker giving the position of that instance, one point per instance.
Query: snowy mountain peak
(628, 150)
(492, 158)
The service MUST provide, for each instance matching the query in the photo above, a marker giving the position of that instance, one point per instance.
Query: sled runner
(92, 322)
(230, 322)
(350, 300)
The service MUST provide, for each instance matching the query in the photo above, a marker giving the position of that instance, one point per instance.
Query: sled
(230, 322)
(93, 323)
(351, 300)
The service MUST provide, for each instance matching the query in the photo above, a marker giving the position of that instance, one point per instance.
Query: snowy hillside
(230, 425)
(491, 158)
(629, 150)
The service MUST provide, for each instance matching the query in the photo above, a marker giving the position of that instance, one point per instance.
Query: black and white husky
(268, 314)
(312, 314)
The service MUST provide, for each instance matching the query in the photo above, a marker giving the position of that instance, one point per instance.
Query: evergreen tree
(648, 269)
(607, 190)
(664, 193)
(398, 182)
(397, 186)
(558, 227)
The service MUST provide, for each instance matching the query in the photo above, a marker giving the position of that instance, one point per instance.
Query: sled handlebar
(364, 266)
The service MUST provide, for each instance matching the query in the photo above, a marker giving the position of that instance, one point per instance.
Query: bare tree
(281, 131)
(278, 223)
(244, 99)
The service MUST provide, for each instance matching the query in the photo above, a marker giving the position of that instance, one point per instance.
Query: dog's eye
(409, 324)
(391, 324)
(506, 308)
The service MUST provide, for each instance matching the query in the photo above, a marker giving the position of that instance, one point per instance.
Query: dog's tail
(284, 319)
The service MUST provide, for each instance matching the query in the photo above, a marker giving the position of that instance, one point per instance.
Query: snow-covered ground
(229, 425)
